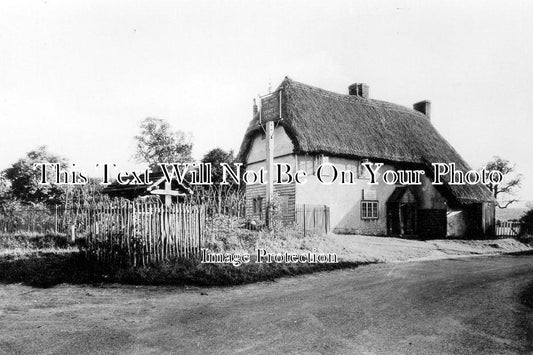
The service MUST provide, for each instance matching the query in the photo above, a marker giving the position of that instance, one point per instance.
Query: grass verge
(41, 269)
(48, 260)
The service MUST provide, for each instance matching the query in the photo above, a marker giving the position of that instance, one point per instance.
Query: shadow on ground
(42, 269)
(526, 296)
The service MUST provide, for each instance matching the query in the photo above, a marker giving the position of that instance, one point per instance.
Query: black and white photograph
(266, 177)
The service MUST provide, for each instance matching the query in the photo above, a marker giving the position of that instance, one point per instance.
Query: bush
(527, 222)
(231, 234)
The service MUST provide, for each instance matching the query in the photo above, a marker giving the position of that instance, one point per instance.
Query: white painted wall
(345, 200)
(282, 146)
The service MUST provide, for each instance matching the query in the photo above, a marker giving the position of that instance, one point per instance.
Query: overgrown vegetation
(32, 241)
(527, 220)
(228, 234)
(527, 227)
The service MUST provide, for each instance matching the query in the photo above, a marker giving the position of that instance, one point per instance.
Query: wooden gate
(508, 228)
(313, 218)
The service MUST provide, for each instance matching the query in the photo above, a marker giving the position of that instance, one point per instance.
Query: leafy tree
(158, 143)
(216, 157)
(80, 194)
(222, 197)
(5, 193)
(511, 182)
(24, 178)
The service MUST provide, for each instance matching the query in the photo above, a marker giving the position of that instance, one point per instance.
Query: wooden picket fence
(508, 228)
(143, 233)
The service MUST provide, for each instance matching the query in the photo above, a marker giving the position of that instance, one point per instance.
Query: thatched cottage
(345, 130)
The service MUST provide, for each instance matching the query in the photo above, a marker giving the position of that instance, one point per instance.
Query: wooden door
(408, 218)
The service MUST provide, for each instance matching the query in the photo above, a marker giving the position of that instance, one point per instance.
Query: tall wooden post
(72, 239)
(168, 197)
(270, 169)
(55, 229)
(304, 219)
(400, 219)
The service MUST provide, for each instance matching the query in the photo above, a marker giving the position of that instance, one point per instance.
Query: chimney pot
(423, 107)
(360, 90)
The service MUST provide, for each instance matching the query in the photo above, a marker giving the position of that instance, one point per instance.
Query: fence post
(72, 234)
(200, 210)
(326, 218)
(55, 221)
(304, 219)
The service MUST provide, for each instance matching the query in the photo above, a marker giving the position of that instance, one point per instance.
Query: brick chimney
(256, 110)
(424, 107)
(359, 89)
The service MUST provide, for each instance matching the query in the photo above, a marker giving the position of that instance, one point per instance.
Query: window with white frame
(316, 162)
(306, 164)
(363, 172)
(369, 209)
(302, 163)
(321, 159)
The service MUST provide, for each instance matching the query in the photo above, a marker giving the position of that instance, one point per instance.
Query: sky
(79, 76)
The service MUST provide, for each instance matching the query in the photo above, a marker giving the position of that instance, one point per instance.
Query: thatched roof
(323, 122)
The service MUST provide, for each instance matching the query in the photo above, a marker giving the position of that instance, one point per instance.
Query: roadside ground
(358, 248)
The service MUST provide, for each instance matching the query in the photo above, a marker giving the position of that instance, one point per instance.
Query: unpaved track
(446, 306)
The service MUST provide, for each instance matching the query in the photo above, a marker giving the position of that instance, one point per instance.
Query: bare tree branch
(509, 185)
(506, 204)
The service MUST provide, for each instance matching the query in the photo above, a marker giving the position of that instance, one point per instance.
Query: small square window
(257, 204)
(369, 209)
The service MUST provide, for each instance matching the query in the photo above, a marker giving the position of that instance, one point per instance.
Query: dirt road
(468, 305)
